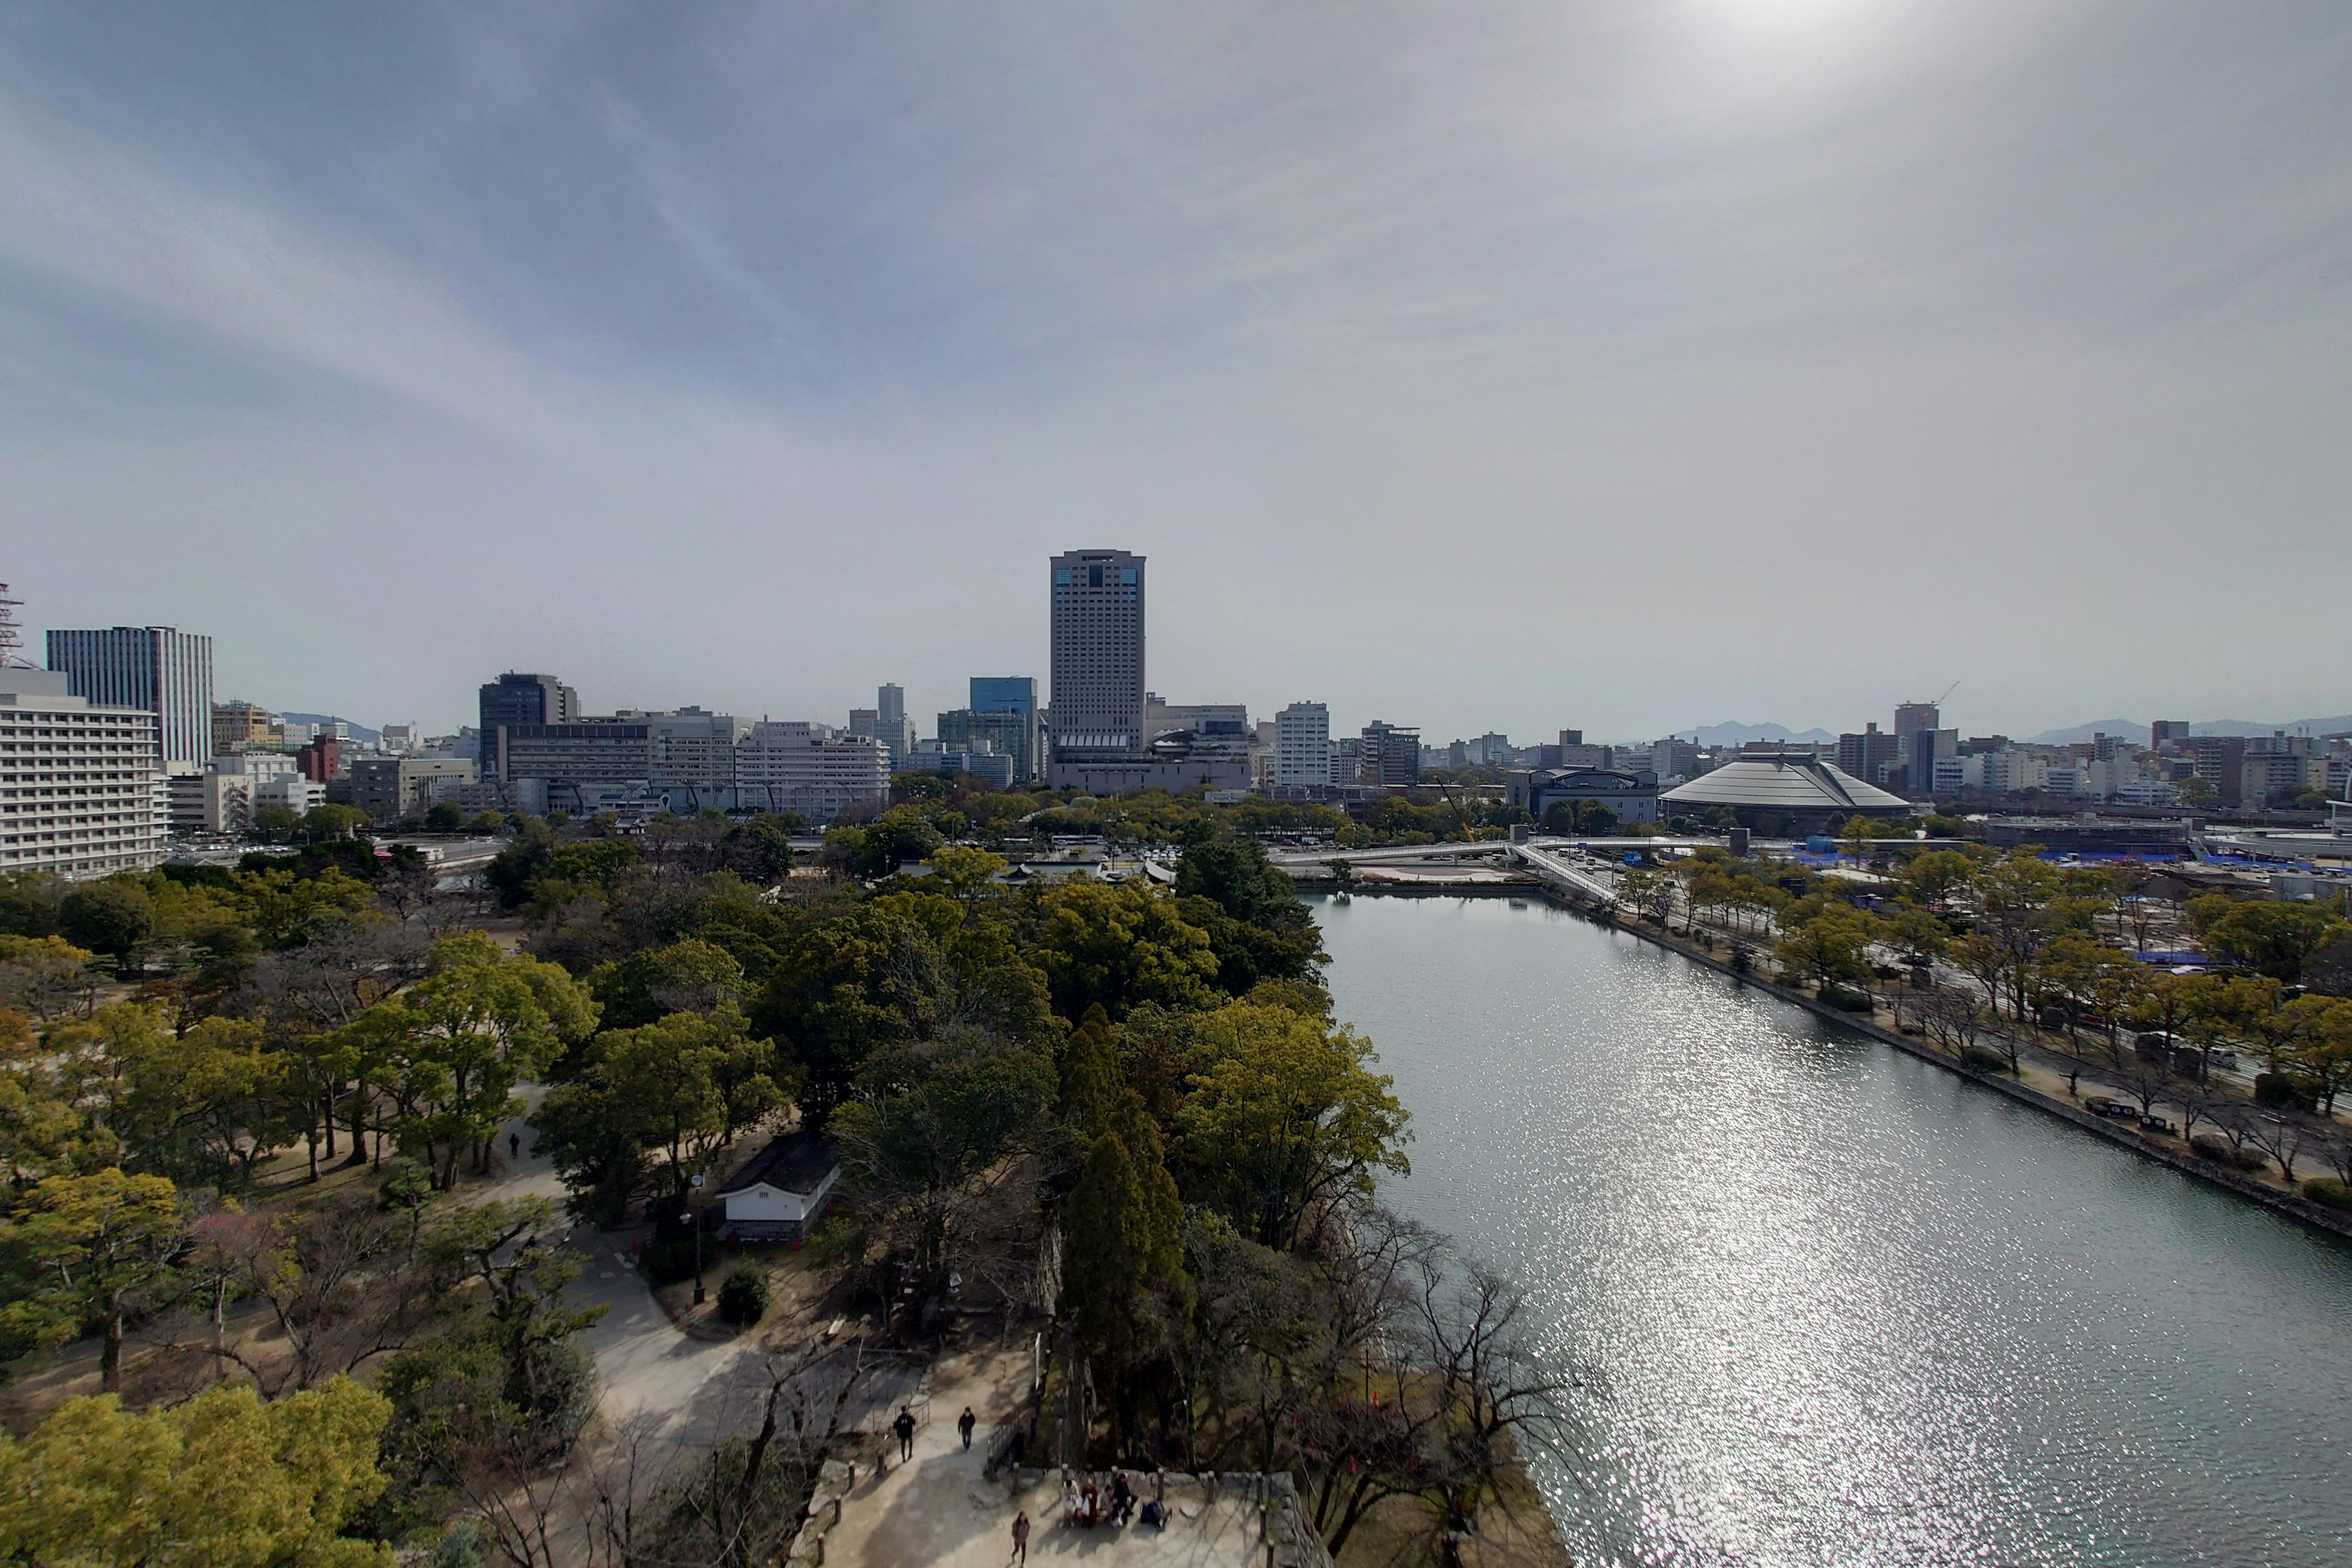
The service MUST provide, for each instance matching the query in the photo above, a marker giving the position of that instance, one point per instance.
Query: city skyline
(1692, 351)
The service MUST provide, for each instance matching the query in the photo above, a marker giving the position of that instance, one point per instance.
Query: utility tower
(12, 636)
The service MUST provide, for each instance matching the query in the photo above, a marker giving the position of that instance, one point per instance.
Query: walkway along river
(1830, 1304)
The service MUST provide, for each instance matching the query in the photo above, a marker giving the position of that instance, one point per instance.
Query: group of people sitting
(1088, 1505)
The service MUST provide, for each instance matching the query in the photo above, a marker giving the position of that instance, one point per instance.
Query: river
(1829, 1304)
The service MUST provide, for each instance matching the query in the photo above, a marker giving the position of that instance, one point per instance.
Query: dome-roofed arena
(1783, 791)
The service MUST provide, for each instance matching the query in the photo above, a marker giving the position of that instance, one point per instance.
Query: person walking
(964, 1423)
(905, 1427)
(514, 1145)
(1020, 1536)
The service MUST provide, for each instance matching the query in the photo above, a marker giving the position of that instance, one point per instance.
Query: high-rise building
(2167, 732)
(81, 783)
(1097, 670)
(1302, 744)
(1864, 755)
(168, 673)
(1390, 755)
(1910, 716)
(516, 698)
(891, 725)
(997, 694)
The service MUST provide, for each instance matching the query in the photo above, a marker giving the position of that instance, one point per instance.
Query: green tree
(222, 1481)
(1934, 879)
(688, 975)
(446, 816)
(322, 824)
(456, 1043)
(112, 917)
(91, 1249)
(1832, 949)
(1284, 1116)
(1125, 1252)
(2270, 937)
(686, 1084)
(47, 976)
(1119, 945)
(962, 871)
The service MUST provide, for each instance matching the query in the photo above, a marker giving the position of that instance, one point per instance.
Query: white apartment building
(789, 766)
(81, 783)
(1302, 744)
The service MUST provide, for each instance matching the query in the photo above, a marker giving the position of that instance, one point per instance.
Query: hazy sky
(1624, 365)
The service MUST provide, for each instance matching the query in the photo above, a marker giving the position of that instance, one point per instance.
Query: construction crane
(1469, 834)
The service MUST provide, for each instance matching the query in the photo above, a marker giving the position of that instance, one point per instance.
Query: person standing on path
(905, 1427)
(964, 1423)
(1020, 1536)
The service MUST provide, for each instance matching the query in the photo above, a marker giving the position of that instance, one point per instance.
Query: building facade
(81, 783)
(789, 766)
(1389, 756)
(577, 763)
(389, 788)
(1014, 694)
(1302, 746)
(164, 671)
(240, 726)
(1097, 714)
(516, 698)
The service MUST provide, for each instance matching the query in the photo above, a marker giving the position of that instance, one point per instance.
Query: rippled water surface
(1832, 1305)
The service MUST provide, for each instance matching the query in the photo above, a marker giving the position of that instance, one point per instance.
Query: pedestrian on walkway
(905, 1427)
(964, 1423)
(514, 1145)
(1020, 1536)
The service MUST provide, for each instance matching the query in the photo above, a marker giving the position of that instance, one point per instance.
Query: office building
(1008, 736)
(2220, 761)
(1923, 749)
(1867, 756)
(516, 698)
(82, 789)
(1097, 600)
(241, 726)
(891, 725)
(1015, 694)
(690, 754)
(408, 737)
(1389, 756)
(578, 765)
(1302, 746)
(2166, 734)
(390, 789)
(1910, 716)
(792, 766)
(322, 761)
(165, 672)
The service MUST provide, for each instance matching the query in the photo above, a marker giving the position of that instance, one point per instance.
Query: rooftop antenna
(11, 638)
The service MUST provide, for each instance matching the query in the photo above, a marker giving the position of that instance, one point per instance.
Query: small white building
(782, 1190)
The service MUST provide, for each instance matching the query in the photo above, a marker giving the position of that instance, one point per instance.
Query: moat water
(1829, 1304)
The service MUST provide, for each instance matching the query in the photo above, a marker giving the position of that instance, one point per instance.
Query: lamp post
(697, 1220)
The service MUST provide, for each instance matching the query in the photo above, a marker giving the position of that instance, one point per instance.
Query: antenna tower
(11, 638)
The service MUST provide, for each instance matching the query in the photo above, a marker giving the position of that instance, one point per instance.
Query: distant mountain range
(2138, 729)
(360, 732)
(1731, 733)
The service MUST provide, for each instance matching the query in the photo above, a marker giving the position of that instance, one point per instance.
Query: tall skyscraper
(1097, 706)
(163, 671)
(518, 698)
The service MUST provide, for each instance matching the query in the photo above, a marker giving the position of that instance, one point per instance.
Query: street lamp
(696, 1220)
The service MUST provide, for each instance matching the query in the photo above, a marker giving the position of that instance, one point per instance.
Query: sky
(1627, 366)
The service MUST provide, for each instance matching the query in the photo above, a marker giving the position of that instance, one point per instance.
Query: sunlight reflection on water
(1833, 1305)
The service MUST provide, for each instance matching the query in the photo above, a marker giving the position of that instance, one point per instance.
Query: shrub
(668, 1262)
(744, 1297)
(1846, 1001)
(2328, 1190)
(1989, 1060)
(2282, 1092)
(2217, 1150)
